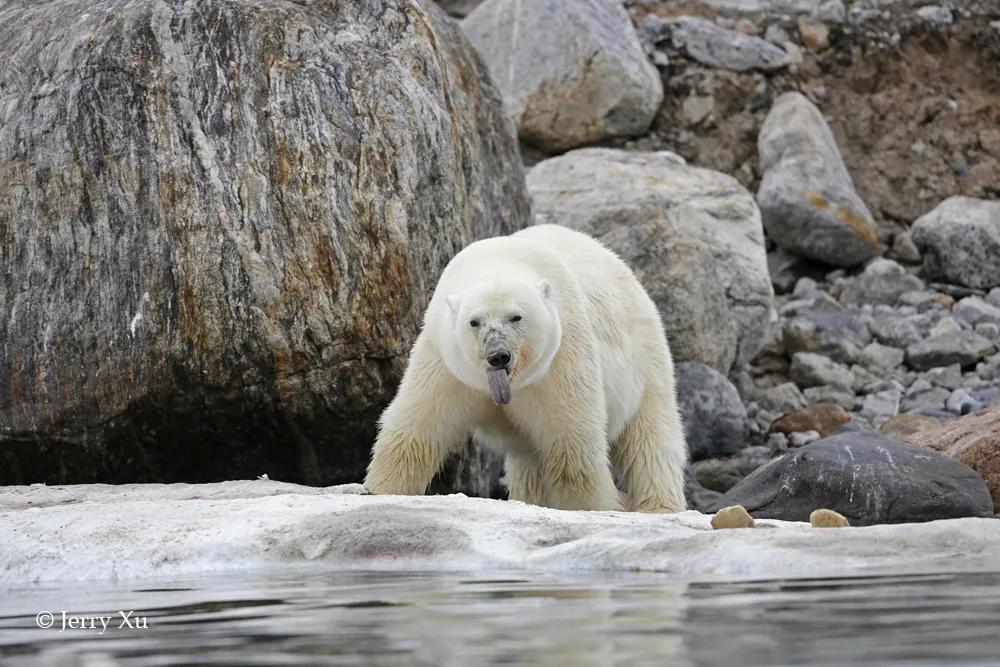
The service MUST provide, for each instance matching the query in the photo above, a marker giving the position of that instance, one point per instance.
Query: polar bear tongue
(499, 385)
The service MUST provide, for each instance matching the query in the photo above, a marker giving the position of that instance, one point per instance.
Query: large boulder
(868, 478)
(806, 196)
(571, 73)
(960, 242)
(220, 223)
(693, 237)
(974, 440)
(714, 417)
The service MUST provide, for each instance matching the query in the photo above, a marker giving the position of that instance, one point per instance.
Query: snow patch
(133, 531)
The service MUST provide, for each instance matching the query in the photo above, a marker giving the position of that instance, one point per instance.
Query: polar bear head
(500, 335)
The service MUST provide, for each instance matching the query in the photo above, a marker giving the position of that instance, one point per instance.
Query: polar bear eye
(474, 324)
(515, 318)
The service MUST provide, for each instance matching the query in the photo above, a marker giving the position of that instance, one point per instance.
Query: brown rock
(732, 517)
(824, 518)
(815, 35)
(906, 424)
(974, 440)
(824, 418)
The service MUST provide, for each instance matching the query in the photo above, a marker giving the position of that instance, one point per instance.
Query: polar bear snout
(497, 349)
(498, 357)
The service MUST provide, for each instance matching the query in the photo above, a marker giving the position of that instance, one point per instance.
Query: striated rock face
(806, 196)
(692, 236)
(868, 478)
(220, 223)
(960, 242)
(571, 73)
(974, 440)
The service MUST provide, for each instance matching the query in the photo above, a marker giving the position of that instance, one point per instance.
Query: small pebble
(735, 516)
(824, 518)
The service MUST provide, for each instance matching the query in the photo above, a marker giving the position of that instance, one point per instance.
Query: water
(337, 618)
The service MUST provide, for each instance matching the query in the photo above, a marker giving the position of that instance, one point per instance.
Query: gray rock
(883, 281)
(833, 11)
(903, 331)
(781, 399)
(949, 377)
(989, 331)
(962, 403)
(989, 369)
(810, 370)
(988, 396)
(786, 269)
(693, 237)
(776, 34)
(715, 420)
(704, 41)
(880, 406)
(806, 196)
(923, 300)
(993, 298)
(868, 478)
(905, 249)
(936, 14)
(960, 242)
(964, 348)
(698, 497)
(229, 219)
(723, 474)
(459, 8)
(946, 326)
(882, 357)
(928, 400)
(827, 394)
(777, 443)
(571, 73)
(976, 310)
(802, 438)
(840, 336)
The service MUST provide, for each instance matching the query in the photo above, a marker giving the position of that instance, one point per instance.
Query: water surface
(507, 618)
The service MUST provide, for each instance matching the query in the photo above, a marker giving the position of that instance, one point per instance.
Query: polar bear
(544, 345)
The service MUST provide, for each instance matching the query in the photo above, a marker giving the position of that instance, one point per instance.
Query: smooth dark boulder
(220, 223)
(868, 478)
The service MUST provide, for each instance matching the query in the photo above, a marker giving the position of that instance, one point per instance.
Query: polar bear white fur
(590, 374)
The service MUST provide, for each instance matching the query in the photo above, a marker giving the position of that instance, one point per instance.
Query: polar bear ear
(545, 289)
(454, 301)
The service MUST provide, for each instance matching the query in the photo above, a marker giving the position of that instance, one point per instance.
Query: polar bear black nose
(499, 359)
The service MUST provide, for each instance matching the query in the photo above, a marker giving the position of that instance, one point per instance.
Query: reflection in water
(305, 618)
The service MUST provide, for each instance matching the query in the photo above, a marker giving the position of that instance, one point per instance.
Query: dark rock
(723, 474)
(786, 269)
(963, 347)
(715, 419)
(868, 478)
(220, 223)
(698, 497)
